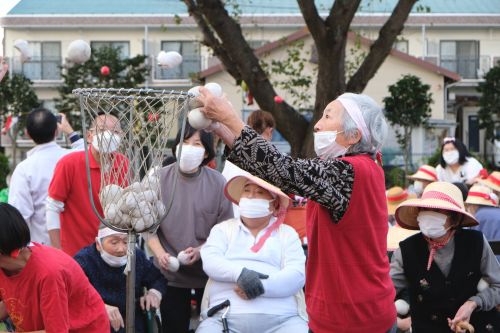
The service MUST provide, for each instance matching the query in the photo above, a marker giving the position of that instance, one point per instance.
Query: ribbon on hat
(260, 243)
(484, 196)
(440, 196)
(400, 197)
(354, 112)
(494, 180)
(430, 173)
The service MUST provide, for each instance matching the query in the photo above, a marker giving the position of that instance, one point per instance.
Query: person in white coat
(255, 262)
(31, 178)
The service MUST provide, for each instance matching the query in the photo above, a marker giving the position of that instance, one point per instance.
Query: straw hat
(395, 196)
(493, 181)
(234, 189)
(425, 172)
(481, 195)
(397, 234)
(437, 195)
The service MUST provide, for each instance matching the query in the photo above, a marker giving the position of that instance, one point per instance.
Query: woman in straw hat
(441, 266)
(347, 290)
(425, 175)
(256, 262)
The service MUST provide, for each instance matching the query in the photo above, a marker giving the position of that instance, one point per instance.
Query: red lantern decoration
(105, 70)
(278, 99)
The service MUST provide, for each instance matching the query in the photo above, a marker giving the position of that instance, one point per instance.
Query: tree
(123, 73)
(406, 108)
(17, 99)
(224, 36)
(489, 103)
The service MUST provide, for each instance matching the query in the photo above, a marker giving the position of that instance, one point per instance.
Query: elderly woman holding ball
(198, 204)
(348, 287)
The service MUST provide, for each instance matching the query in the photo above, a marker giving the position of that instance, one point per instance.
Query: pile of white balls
(196, 118)
(137, 206)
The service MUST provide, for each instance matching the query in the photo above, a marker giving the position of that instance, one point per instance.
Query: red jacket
(348, 287)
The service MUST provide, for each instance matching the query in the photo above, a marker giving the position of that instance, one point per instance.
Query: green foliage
(489, 112)
(18, 97)
(4, 170)
(123, 73)
(394, 177)
(433, 160)
(408, 107)
(290, 71)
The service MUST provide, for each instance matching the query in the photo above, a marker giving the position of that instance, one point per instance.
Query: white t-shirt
(467, 171)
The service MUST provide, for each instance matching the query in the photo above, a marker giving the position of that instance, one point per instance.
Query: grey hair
(375, 122)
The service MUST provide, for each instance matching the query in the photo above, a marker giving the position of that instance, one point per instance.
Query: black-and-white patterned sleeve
(328, 182)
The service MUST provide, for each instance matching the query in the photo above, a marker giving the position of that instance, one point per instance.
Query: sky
(5, 6)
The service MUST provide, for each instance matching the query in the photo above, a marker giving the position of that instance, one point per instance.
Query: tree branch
(291, 124)
(381, 47)
(210, 40)
(341, 15)
(314, 22)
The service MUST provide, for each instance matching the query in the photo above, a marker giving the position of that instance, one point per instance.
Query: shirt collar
(42, 147)
(244, 228)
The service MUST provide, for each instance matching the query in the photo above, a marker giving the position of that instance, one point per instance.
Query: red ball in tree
(278, 99)
(105, 70)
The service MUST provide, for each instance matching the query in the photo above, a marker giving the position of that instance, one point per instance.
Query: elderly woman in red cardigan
(348, 288)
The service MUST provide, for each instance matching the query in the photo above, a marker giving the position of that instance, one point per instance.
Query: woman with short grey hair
(348, 288)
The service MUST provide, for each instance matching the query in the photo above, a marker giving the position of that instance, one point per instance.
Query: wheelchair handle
(217, 308)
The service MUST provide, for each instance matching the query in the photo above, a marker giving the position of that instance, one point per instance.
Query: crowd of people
(62, 271)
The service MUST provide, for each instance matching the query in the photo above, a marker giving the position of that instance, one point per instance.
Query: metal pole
(130, 270)
(146, 53)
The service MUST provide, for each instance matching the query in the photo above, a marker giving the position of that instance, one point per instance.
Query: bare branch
(210, 40)
(341, 15)
(314, 22)
(381, 47)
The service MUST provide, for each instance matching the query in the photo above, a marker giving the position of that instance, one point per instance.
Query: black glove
(249, 282)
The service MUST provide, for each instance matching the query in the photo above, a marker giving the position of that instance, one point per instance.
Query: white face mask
(432, 224)
(451, 157)
(254, 208)
(325, 145)
(418, 186)
(106, 142)
(191, 157)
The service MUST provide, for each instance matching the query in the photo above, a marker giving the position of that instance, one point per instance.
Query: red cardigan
(348, 287)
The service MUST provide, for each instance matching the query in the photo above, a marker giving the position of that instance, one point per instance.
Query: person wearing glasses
(71, 221)
(456, 163)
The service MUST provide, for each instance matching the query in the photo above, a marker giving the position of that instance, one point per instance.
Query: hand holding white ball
(173, 264)
(198, 120)
(184, 258)
(402, 307)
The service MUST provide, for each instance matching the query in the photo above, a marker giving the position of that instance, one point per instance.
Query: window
(123, 46)
(401, 45)
(45, 63)
(461, 57)
(191, 62)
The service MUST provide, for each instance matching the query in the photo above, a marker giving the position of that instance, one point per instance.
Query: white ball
(183, 258)
(126, 222)
(195, 91)
(134, 187)
(402, 307)
(130, 201)
(138, 224)
(111, 211)
(198, 120)
(110, 194)
(173, 264)
(22, 46)
(78, 51)
(214, 88)
(151, 182)
(161, 210)
(169, 59)
(482, 285)
(150, 196)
